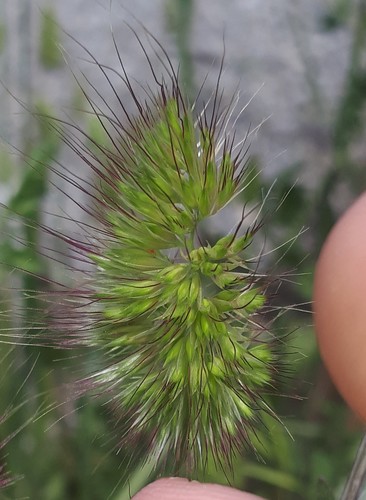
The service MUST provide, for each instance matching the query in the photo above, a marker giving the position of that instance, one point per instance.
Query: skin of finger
(339, 305)
(176, 488)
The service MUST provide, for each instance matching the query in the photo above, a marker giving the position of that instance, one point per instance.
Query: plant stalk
(355, 482)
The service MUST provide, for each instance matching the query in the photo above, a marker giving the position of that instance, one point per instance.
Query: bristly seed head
(187, 361)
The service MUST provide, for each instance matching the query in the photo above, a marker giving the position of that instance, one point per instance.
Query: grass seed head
(186, 361)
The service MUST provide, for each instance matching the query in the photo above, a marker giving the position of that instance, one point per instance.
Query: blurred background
(300, 65)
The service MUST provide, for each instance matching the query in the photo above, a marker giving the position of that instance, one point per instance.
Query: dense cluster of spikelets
(177, 318)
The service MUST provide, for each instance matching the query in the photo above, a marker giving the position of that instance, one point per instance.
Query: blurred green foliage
(179, 16)
(49, 51)
(336, 15)
(2, 37)
(65, 446)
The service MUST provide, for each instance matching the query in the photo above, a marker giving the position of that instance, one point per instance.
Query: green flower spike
(186, 362)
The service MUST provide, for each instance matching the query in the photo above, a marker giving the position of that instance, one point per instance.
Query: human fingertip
(176, 488)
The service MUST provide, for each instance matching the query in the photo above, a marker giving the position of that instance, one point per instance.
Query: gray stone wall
(276, 50)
